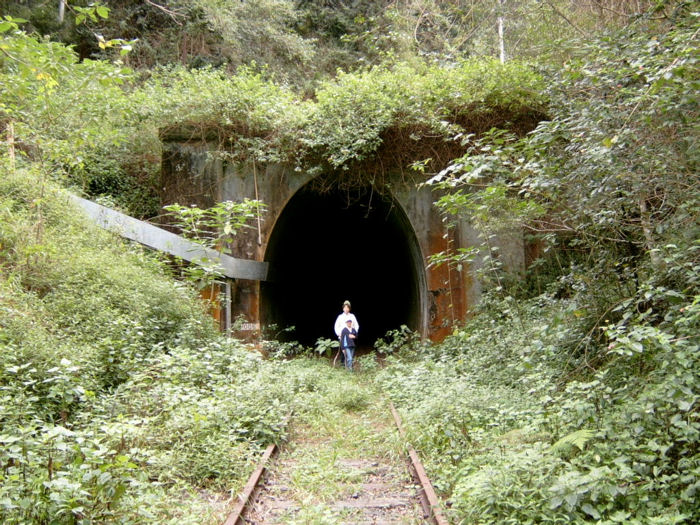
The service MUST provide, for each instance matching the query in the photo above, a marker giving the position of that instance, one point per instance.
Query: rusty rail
(429, 500)
(236, 515)
(433, 508)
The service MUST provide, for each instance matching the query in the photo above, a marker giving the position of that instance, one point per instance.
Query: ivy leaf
(556, 502)
(590, 510)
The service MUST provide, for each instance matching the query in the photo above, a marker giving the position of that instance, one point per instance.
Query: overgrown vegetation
(516, 427)
(119, 402)
(303, 41)
(81, 315)
(97, 125)
(570, 396)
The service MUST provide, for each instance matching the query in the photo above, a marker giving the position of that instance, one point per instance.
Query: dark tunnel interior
(326, 248)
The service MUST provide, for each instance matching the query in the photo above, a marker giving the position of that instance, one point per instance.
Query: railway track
(382, 497)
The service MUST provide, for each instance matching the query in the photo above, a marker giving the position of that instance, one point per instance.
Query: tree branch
(172, 14)
(558, 12)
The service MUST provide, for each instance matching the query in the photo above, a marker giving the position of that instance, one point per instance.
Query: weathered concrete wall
(191, 175)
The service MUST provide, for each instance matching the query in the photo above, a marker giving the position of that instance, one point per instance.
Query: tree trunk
(648, 235)
(61, 10)
(501, 40)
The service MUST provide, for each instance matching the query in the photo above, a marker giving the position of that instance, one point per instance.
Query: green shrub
(513, 429)
(350, 397)
(106, 363)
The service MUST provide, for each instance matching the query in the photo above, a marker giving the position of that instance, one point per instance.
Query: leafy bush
(401, 338)
(250, 115)
(106, 364)
(356, 110)
(578, 404)
(119, 402)
(515, 428)
(246, 113)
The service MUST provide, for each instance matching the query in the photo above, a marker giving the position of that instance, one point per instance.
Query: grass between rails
(350, 423)
(344, 462)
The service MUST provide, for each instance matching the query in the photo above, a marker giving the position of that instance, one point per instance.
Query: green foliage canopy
(612, 173)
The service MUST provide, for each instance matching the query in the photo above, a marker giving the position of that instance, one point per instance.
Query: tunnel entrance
(332, 246)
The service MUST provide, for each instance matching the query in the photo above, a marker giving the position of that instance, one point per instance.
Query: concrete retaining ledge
(165, 241)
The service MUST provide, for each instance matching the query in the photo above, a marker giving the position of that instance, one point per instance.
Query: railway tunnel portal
(325, 243)
(330, 246)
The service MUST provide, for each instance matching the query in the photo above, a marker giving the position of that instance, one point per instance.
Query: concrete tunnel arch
(336, 245)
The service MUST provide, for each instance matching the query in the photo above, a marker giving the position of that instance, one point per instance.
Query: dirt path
(344, 467)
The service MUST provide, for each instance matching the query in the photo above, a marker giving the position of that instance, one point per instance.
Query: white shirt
(340, 323)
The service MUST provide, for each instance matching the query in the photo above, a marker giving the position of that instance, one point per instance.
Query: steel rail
(246, 495)
(434, 507)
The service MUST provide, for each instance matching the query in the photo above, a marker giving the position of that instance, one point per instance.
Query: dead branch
(171, 13)
(558, 12)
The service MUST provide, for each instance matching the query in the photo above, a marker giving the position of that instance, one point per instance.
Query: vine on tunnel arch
(359, 127)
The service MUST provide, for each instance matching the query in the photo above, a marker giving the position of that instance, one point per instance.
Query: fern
(578, 439)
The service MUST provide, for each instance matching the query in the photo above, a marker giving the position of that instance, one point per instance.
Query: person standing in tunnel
(344, 316)
(347, 343)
